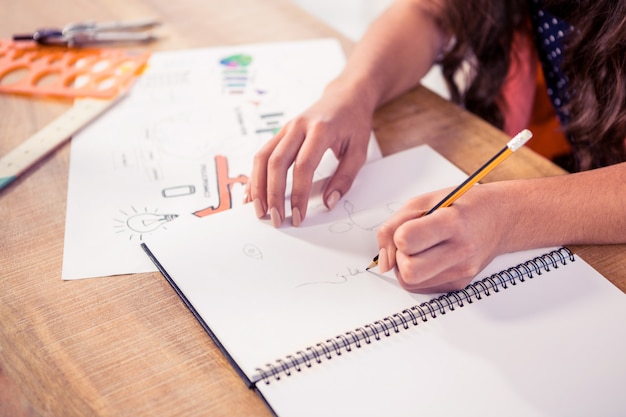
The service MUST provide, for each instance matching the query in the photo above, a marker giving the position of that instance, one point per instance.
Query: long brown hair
(594, 61)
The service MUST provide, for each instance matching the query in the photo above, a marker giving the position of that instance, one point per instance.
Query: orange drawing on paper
(224, 186)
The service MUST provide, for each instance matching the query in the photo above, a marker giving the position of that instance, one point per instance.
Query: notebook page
(550, 346)
(266, 292)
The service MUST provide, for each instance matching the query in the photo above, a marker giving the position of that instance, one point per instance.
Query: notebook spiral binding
(412, 316)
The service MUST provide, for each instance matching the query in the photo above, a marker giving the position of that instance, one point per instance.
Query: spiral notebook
(537, 333)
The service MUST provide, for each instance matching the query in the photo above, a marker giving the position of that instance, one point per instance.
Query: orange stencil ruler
(29, 68)
(99, 77)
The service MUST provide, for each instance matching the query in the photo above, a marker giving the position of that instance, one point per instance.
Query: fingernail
(296, 217)
(258, 208)
(332, 199)
(275, 217)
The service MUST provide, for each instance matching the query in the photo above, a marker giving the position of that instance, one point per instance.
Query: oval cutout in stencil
(78, 81)
(80, 63)
(14, 75)
(100, 66)
(47, 79)
(106, 84)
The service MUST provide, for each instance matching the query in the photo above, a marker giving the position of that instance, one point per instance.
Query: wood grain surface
(126, 345)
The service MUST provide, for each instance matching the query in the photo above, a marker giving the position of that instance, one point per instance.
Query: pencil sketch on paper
(252, 251)
(341, 277)
(178, 191)
(367, 220)
(139, 223)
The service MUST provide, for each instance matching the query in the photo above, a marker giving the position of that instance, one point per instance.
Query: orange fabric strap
(548, 139)
(526, 100)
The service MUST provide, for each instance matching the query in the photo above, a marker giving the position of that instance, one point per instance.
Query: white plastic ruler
(51, 136)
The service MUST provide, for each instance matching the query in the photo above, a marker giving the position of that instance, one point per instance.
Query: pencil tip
(373, 263)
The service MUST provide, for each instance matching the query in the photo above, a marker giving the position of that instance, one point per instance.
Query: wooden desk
(127, 345)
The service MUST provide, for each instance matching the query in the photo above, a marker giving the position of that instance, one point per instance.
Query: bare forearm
(394, 54)
(582, 208)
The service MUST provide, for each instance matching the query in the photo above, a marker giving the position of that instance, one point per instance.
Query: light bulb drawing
(140, 223)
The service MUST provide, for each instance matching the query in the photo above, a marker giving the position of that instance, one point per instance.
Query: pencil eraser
(519, 140)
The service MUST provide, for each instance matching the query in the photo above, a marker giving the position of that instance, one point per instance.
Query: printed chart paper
(182, 143)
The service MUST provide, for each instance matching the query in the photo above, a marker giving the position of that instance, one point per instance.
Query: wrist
(536, 213)
(357, 91)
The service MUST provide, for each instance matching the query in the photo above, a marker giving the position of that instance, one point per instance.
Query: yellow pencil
(514, 144)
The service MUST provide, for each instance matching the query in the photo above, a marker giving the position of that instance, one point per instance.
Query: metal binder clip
(89, 33)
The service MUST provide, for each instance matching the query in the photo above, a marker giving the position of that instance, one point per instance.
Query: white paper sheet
(549, 346)
(256, 284)
(182, 143)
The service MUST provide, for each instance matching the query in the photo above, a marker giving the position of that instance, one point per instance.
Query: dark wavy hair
(594, 61)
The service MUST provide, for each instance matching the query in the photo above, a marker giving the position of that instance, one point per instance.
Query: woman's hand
(393, 55)
(443, 251)
(339, 121)
(446, 249)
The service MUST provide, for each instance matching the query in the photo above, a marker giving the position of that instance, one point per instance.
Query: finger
(426, 254)
(386, 259)
(246, 193)
(419, 234)
(387, 251)
(422, 270)
(351, 160)
(278, 164)
(445, 267)
(386, 232)
(306, 161)
(258, 178)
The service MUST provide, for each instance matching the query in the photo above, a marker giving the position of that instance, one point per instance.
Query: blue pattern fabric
(549, 32)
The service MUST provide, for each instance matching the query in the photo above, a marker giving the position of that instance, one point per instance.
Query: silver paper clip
(89, 33)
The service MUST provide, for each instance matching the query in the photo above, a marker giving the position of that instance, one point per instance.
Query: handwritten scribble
(367, 220)
(341, 277)
(252, 251)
